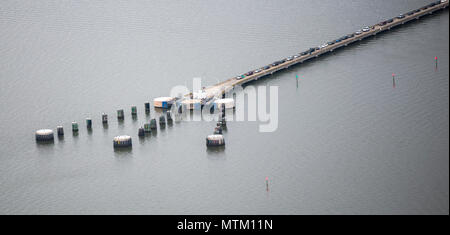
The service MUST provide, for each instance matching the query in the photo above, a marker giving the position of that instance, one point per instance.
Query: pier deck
(218, 90)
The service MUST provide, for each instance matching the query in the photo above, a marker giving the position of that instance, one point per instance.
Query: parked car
(358, 32)
(330, 43)
(289, 58)
(311, 50)
(258, 70)
(389, 21)
(366, 29)
(401, 16)
(276, 63)
(249, 73)
(266, 67)
(304, 53)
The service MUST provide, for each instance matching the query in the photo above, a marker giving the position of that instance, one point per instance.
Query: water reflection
(170, 122)
(224, 128)
(105, 128)
(159, 110)
(75, 137)
(215, 150)
(89, 134)
(123, 153)
(142, 139)
(45, 143)
(120, 124)
(45, 147)
(61, 141)
(154, 133)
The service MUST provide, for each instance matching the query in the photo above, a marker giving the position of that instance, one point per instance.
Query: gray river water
(347, 142)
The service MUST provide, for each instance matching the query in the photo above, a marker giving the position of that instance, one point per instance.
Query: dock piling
(44, 135)
(141, 132)
(153, 124)
(74, 127)
(120, 114)
(104, 118)
(123, 141)
(147, 107)
(60, 130)
(89, 123)
(147, 128)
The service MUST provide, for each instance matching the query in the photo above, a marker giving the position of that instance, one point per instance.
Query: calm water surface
(347, 141)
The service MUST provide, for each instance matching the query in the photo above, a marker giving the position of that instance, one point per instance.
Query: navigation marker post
(436, 61)
(393, 80)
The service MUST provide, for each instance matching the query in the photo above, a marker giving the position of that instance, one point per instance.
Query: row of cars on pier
(341, 39)
(276, 63)
(410, 13)
(304, 53)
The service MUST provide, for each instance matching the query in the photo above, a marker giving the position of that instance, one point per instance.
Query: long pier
(218, 90)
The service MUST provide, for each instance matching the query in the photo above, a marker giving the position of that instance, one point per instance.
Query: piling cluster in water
(46, 135)
(217, 139)
(125, 141)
